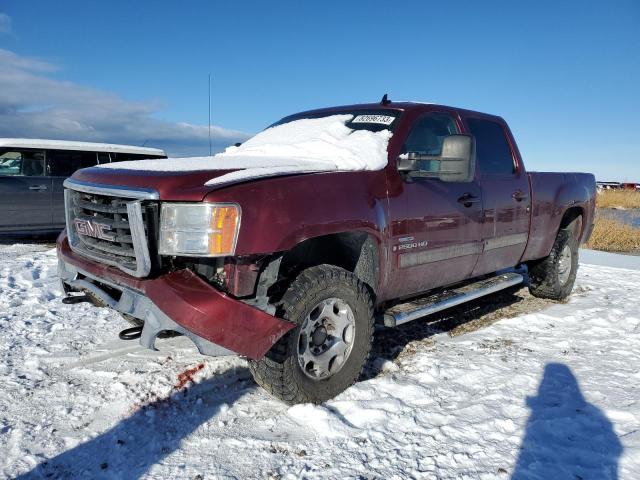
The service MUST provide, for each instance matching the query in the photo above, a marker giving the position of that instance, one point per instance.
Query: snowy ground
(513, 387)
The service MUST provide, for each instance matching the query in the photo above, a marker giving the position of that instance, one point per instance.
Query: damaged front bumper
(178, 301)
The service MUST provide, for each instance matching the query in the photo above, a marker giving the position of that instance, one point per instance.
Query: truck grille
(111, 228)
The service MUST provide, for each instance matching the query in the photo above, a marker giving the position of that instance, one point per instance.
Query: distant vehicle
(31, 176)
(608, 185)
(617, 186)
(291, 269)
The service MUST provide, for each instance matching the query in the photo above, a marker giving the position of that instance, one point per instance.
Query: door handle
(468, 199)
(37, 187)
(519, 195)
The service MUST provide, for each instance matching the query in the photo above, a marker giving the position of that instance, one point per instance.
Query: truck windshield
(372, 120)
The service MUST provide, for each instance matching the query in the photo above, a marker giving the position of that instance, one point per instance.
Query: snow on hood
(301, 146)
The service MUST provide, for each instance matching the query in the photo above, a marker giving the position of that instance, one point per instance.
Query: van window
(123, 157)
(26, 163)
(63, 163)
(492, 148)
(103, 158)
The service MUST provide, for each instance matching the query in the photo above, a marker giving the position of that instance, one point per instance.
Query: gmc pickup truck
(288, 249)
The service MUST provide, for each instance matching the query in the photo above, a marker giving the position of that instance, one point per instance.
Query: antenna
(209, 114)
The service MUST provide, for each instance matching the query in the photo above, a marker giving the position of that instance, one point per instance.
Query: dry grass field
(618, 199)
(609, 234)
(613, 236)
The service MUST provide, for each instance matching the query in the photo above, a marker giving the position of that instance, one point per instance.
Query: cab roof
(403, 106)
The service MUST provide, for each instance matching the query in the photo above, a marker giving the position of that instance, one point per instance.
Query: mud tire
(279, 371)
(545, 276)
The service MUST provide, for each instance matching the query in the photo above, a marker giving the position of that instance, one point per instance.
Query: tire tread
(273, 371)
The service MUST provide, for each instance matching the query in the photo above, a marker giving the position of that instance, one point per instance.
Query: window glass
(492, 148)
(427, 137)
(27, 163)
(372, 120)
(428, 133)
(123, 157)
(103, 158)
(63, 163)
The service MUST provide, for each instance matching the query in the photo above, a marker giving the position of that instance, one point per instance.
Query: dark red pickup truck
(288, 248)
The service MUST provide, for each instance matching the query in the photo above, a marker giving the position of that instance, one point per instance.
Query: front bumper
(179, 301)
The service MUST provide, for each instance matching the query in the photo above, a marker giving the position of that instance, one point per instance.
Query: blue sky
(565, 75)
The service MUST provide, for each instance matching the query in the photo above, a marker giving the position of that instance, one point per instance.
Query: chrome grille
(114, 226)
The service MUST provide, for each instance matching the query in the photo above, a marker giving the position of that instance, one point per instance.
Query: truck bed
(551, 194)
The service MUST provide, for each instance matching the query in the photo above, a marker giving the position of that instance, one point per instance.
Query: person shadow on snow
(566, 437)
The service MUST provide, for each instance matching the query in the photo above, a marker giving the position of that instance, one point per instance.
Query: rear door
(25, 191)
(61, 165)
(505, 195)
(435, 234)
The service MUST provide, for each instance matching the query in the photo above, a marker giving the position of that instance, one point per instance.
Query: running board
(406, 312)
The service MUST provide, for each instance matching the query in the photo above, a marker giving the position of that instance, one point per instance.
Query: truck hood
(172, 186)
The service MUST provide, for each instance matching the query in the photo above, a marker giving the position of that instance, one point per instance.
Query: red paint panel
(202, 309)
(196, 305)
(172, 186)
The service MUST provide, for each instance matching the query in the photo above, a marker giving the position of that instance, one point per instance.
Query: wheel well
(572, 221)
(356, 252)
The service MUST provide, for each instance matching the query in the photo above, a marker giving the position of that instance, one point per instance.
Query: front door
(435, 234)
(25, 192)
(505, 196)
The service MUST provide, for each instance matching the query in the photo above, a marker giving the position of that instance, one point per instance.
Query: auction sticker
(379, 119)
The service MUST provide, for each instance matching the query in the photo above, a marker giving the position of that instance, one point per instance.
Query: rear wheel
(326, 352)
(554, 276)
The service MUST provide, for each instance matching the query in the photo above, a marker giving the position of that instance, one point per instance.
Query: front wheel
(554, 276)
(326, 352)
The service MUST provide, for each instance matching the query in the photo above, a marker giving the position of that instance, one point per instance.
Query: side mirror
(456, 163)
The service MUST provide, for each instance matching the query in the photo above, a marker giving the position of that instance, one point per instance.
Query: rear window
(492, 148)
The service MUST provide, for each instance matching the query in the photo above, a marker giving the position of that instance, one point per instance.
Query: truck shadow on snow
(154, 431)
(391, 344)
(566, 436)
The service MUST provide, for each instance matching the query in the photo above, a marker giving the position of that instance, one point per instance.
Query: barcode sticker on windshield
(379, 119)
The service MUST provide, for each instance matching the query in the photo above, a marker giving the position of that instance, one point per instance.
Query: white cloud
(34, 105)
(5, 23)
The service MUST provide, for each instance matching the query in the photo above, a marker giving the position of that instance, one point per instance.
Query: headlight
(199, 229)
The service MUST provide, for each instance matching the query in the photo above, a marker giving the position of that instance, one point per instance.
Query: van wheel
(554, 276)
(325, 354)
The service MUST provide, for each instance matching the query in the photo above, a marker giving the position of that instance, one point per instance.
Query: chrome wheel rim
(326, 339)
(564, 265)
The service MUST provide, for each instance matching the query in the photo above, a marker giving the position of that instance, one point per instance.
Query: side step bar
(406, 312)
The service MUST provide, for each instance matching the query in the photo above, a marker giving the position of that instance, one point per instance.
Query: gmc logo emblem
(94, 229)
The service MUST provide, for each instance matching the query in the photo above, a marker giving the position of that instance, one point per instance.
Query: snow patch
(549, 394)
(301, 146)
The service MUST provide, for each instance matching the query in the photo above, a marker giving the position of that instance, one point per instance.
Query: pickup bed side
(558, 198)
